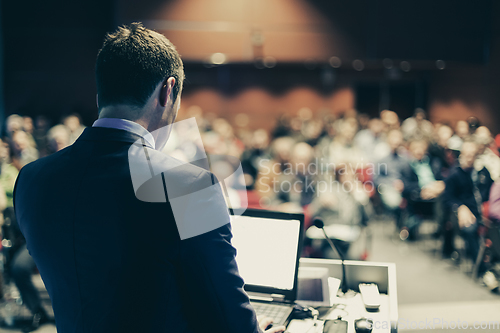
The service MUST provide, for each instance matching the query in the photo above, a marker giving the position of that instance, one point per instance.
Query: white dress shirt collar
(126, 125)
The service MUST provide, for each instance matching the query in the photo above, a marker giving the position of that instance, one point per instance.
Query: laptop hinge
(278, 298)
(266, 297)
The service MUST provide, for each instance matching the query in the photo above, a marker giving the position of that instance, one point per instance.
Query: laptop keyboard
(279, 313)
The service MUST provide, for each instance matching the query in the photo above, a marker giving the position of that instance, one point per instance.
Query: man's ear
(166, 89)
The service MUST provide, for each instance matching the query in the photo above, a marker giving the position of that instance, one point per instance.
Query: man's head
(468, 154)
(418, 149)
(72, 122)
(444, 133)
(140, 71)
(462, 128)
(419, 114)
(394, 139)
(376, 125)
(58, 137)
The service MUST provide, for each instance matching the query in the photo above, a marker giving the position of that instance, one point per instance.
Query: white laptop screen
(266, 250)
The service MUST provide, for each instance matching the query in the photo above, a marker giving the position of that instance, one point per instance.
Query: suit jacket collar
(111, 134)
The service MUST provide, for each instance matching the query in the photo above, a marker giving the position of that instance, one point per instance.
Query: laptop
(268, 246)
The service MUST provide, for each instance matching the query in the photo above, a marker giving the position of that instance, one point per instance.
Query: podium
(383, 274)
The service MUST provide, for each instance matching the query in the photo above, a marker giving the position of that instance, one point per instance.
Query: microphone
(318, 223)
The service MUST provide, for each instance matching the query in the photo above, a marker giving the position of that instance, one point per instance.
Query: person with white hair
(486, 158)
(58, 138)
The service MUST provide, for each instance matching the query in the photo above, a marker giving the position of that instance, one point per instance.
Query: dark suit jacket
(113, 263)
(460, 189)
(410, 179)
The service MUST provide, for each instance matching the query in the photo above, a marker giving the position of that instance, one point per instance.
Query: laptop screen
(267, 245)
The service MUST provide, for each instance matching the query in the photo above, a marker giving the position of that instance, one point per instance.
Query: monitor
(268, 246)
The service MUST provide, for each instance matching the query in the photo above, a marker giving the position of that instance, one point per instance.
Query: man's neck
(124, 112)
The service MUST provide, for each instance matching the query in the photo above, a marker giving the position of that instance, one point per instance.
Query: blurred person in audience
(234, 147)
(441, 157)
(8, 175)
(28, 128)
(363, 121)
(417, 127)
(303, 172)
(223, 169)
(342, 202)
(421, 187)
(21, 269)
(74, 123)
(322, 148)
(466, 190)
(23, 151)
(291, 169)
(40, 134)
(390, 120)
(497, 142)
(214, 143)
(388, 174)
(19, 264)
(58, 138)
(197, 112)
(14, 123)
(296, 126)
(281, 149)
(491, 255)
(372, 141)
(282, 127)
(267, 177)
(461, 132)
(256, 150)
(494, 206)
(343, 149)
(312, 131)
(486, 158)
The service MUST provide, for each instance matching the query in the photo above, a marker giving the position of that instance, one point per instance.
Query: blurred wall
(50, 49)
(264, 108)
(288, 30)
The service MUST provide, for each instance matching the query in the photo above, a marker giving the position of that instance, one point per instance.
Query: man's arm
(207, 272)
(213, 285)
(410, 180)
(450, 198)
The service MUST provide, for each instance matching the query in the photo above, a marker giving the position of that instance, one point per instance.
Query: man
(486, 158)
(387, 175)
(441, 158)
(372, 141)
(114, 263)
(422, 187)
(417, 127)
(466, 190)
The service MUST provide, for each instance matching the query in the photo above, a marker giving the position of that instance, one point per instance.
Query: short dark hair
(131, 63)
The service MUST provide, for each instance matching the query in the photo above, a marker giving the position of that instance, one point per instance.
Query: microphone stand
(318, 223)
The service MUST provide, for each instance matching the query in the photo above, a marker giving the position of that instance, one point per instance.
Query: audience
(334, 167)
